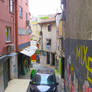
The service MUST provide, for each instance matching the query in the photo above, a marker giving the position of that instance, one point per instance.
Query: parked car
(43, 82)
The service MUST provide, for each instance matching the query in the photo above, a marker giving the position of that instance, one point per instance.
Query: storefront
(24, 60)
(23, 64)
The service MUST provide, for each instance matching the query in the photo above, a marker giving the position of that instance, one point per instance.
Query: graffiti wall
(78, 65)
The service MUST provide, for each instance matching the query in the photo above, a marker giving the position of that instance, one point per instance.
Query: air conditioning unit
(10, 47)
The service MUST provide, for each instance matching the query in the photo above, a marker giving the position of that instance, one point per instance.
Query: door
(6, 75)
(63, 67)
(53, 59)
(48, 58)
(1, 78)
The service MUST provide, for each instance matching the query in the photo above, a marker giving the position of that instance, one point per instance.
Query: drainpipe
(42, 36)
(16, 25)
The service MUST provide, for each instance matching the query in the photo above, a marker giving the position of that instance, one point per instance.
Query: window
(26, 2)
(49, 27)
(48, 41)
(11, 6)
(8, 34)
(20, 11)
(2, 0)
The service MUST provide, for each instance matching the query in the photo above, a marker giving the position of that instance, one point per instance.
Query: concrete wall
(78, 23)
(77, 32)
(78, 65)
(13, 66)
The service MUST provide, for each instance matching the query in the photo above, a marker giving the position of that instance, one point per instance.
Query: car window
(44, 79)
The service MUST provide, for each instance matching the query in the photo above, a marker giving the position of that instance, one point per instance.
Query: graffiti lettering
(81, 53)
(85, 53)
(89, 69)
(78, 53)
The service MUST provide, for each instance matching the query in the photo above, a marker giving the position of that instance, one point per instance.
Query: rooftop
(52, 19)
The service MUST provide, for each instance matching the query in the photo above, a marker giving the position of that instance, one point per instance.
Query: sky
(44, 7)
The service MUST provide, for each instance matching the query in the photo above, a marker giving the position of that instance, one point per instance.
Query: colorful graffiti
(84, 59)
(78, 66)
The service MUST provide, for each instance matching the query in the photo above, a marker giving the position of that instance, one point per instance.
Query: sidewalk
(17, 85)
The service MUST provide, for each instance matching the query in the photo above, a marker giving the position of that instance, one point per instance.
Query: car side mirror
(30, 82)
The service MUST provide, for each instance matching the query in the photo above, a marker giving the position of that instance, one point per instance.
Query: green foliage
(37, 51)
(31, 39)
(33, 72)
(46, 17)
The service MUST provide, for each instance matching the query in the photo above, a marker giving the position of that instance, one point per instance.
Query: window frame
(7, 34)
(48, 42)
(20, 12)
(11, 6)
(49, 27)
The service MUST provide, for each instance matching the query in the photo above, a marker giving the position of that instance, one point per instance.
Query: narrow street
(21, 85)
(45, 45)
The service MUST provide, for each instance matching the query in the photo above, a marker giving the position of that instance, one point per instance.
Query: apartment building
(48, 40)
(7, 42)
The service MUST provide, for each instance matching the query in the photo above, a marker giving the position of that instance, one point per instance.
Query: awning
(29, 51)
(4, 58)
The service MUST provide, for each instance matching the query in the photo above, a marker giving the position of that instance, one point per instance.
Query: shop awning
(29, 51)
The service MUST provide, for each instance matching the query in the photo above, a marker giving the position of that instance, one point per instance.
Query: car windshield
(44, 79)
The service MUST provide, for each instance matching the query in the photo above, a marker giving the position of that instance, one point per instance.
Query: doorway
(48, 58)
(53, 59)
(6, 70)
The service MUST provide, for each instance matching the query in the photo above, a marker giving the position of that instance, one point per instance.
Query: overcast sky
(43, 7)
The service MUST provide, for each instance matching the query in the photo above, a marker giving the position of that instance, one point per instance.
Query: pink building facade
(15, 32)
(7, 22)
(24, 35)
(7, 42)
(24, 29)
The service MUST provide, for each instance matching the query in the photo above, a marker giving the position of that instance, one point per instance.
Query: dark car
(43, 83)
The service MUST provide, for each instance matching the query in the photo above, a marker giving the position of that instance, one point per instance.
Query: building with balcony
(48, 40)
